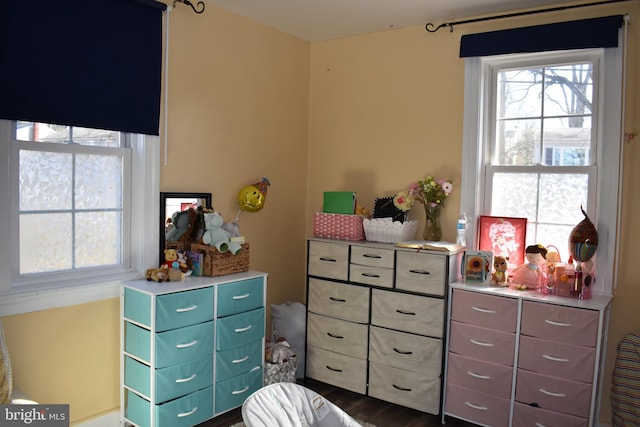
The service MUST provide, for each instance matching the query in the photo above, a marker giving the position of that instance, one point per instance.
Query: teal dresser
(190, 350)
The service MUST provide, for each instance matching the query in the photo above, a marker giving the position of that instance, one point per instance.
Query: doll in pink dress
(532, 274)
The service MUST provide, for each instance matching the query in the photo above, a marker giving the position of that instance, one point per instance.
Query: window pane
(517, 143)
(568, 89)
(561, 196)
(566, 144)
(98, 182)
(45, 180)
(98, 239)
(514, 195)
(61, 134)
(45, 242)
(519, 93)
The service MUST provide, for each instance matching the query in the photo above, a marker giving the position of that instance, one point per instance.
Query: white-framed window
(81, 212)
(541, 139)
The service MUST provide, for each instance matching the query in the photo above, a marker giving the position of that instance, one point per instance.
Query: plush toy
(157, 275)
(185, 264)
(278, 352)
(532, 274)
(215, 235)
(170, 256)
(499, 276)
(187, 226)
(180, 221)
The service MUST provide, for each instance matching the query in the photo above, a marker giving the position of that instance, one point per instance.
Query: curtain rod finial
(199, 10)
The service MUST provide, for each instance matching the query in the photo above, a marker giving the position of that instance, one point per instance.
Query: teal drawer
(240, 329)
(186, 411)
(240, 296)
(233, 392)
(238, 360)
(184, 308)
(137, 306)
(170, 382)
(137, 341)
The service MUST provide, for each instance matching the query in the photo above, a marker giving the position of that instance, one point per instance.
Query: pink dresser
(523, 359)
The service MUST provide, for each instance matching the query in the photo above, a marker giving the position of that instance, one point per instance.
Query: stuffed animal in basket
(278, 352)
(215, 235)
(499, 276)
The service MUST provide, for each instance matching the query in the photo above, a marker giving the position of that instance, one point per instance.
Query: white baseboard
(110, 419)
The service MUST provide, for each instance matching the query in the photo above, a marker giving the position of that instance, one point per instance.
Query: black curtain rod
(430, 27)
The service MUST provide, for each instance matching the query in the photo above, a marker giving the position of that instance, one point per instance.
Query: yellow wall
(368, 113)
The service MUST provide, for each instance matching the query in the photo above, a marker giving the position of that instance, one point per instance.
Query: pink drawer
(557, 359)
(569, 397)
(480, 376)
(476, 406)
(558, 323)
(525, 415)
(487, 311)
(483, 344)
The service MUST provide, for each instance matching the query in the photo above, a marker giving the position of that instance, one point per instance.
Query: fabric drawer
(238, 360)
(186, 411)
(557, 323)
(232, 393)
(137, 306)
(569, 397)
(405, 351)
(410, 389)
(525, 415)
(339, 300)
(486, 311)
(408, 313)
(239, 329)
(184, 308)
(484, 344)
(238, 297)
(421, 272)
(484, 377)
(343, 371)
(481, 408)
(172, 381)
(557, 359)
(337, 335)
(373, 257)
(376, 276)
(330, 260)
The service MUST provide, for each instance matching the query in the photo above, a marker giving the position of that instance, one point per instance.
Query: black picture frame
(168, 199)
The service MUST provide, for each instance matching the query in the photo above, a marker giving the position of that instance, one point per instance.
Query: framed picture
(477, 266)
(504, 236)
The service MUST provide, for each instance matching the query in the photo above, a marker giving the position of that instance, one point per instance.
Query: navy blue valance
(581, 34)
(90, 63)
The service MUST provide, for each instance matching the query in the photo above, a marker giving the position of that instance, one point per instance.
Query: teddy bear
(215, 235)
(499, 276)
(157, 275)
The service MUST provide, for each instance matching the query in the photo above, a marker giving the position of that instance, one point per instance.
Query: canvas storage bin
(281, 372)
(215, 263)
(338, 226)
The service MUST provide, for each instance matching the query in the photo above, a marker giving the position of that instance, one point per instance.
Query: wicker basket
(217, 264)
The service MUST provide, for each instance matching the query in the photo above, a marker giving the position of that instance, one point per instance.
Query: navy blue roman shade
(581, 34)
(89, 63)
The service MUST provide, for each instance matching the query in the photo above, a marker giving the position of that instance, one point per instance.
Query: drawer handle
(333, 369)
(337, 299)
(240, 391)
(186, 380)
(244, 359)
(408, 313)
(371, 256)
(551, 322)
(471, 405)
(335, 336)
(182, 310)
(555, 359)
(370, 275)
(245, 329)
(191, 344)
(419, 271)
(552, 394)
(482, 377)
(327, 259)
(401, 388)
(402, 352)
(241, 296)
(186, 414)
(483, 310)
(483, 344)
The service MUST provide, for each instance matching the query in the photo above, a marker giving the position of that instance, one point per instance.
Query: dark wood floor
(378, 412)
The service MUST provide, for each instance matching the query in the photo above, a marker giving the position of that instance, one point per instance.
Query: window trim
(145, 177)
(474, 152)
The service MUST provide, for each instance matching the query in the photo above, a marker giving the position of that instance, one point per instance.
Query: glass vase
(432, 230)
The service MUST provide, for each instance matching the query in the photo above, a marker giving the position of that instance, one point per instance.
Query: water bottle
(462, 230)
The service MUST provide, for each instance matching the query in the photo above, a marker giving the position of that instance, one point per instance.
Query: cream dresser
(191, 350)
(376, 318)
(518, 358)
